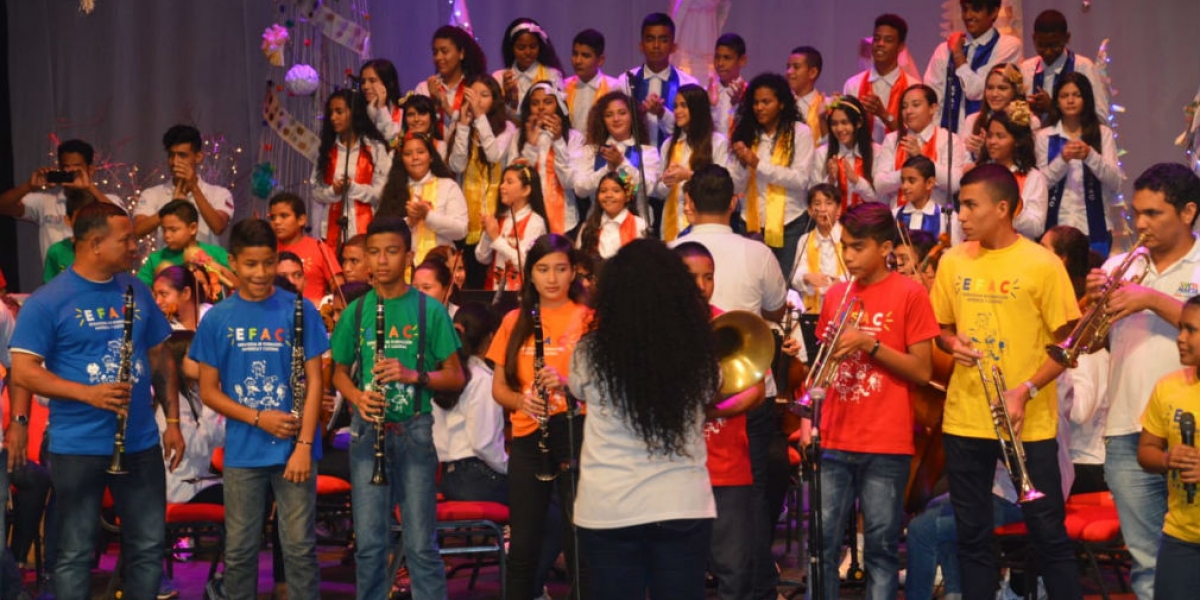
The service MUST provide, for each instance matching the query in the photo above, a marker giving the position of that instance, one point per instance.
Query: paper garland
(344, 31)
(299, 137)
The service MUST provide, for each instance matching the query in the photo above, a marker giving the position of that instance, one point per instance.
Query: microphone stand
(643, 200)
(816, 541)
(952, 121)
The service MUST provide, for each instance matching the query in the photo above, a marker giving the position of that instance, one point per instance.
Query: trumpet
(379, 472)
(124, 375)
(1091, 330)
(849, 314)
(1012, 450)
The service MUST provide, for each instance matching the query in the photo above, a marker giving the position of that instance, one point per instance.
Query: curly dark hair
(1023, 153)
(651, 345)
(748, 129)
(474, 61)
(395, 194)
(855, 113)
(423, 105)
(360, 124)
(546, 54)
(597, 132)
(699, 129)
(544, 246)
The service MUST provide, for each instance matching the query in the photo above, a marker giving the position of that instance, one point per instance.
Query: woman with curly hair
(352, 163)
(772, 155)
(610, 146)
(456, 57)
(647, 370)
(549, 322)
(1010, 144)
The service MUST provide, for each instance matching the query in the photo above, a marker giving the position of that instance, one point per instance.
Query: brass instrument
(1091, 330)
(124, 375)
(1012, 450)
(379, 472)
(849, 314)
(745, 348)
(299, 380)
(548, 472)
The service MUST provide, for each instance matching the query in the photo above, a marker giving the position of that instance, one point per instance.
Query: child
(422, 189)
(418, 335)
(244, 348)
(803, 69)
(611, 225)
(348, 137)
(1010, 144)
(548, 144)
(725, 91)
(589, 82)
(432, 277)
(380, 86)
(819, 261)
(456, 57)
(610, 146)
(850, 160)
(179, 220)
(655, 83)
(291, 270)
(421, 116)
(176, 294)
(61, 254)
(919, 134)
(509, 233)
(692, 144)
(529, 57)
(1162, 449)
(1002, 88)
(1053, 60)
(968, 57)
(918, 211)
(321, 270)
(354, 260)
(879, 88)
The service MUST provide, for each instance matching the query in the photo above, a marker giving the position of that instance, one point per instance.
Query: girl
(1010, 144)
(456, 57)
(647, 370)
(352, 163)
(773, 149)
(610, 145)
(479, 150)
(469, 431)
(692, 144)
(529, 57)
(547, 142)
(422, 189)
(509, 233)
(548, 287)
(1078, 155)
(1003, 85)
(381, 89)
(610, 224)
(176, 294)
(819, 262)
(850, 159)
(918, 134)
(421, 116)
(432, 277)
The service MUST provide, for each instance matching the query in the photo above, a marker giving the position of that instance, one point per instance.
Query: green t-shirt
(401, 342)
(171, 257)
(59, 256)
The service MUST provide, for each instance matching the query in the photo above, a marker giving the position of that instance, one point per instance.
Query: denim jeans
(411, 462)
(140, 499)
(877, 482)
(666, 559)
(473, 480)
(1141, 499)
(933, 540)
(970, 468)
(31, 483)
(246, 492)
(1177, 577)
(729, 552)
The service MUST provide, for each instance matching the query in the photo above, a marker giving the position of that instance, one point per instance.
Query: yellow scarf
(816, 109)
(671, 210)
(481, 186)
(812, 304)
(601, 90)
(424, 238)
(776, 197)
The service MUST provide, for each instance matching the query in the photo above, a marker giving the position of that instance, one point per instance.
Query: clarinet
(299, 380)
(124, 375)
(547, 472)
(379, 474)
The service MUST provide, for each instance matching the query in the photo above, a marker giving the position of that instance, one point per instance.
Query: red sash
(929, 150)
(364, 172)
(1021, 177)
(849, 199)
(893, 105)
(629, 230)
(512, 276)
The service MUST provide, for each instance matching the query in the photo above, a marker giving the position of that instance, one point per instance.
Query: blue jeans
(411, 469)
(1141, 499)
(1177, 578)
(732, 537)
(877, 482)
(933, 540)
(296, 503)
(471, 479)
(666, 559)
(140, 499)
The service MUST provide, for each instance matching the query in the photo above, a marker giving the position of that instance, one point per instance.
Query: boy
(354, 260)
(291, 270)
(244, 349)
(881, 87)
(589, 82)
(655, 83)
(421, 358)
(728, 458)
(179, 221)
(803, 69)
(1000, 299)
(866, 418)
(1162, 450)
(818, 261)
(969, 56)
(214, 203)
(729, 58)
(916, 209)
(321, 270)
(1053, 60)
(62, 254)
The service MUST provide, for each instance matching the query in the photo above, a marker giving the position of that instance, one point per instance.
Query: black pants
(528, 501)
(1088, 479)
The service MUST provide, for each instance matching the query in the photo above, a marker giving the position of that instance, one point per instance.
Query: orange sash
(1021, 177)
(512, 274)
(893, 105)
(364, 172)
(629, 230)
(849, 199)
(929, 150)
(573, 84)
(555, 197)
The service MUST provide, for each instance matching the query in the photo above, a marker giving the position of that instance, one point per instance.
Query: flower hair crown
(1019, 113)
(838, 101)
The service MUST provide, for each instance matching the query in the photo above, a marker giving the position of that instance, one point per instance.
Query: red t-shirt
(868, 408)
(728, 447)
(319, 270)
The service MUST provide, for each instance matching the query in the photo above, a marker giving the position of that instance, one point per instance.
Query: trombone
(1011, 450)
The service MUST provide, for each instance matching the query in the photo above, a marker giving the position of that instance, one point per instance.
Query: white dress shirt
(422, 89)
(587, 177)
(1083, 407)
(502, 250)
(794, 178)
(528, 77)
(947, 168)
(828, 262)
(366, 193)
(724, 111)
(448, 218)
(863, 187)
(153, 199)
(656, 84)
(973, 81)
(720, 156)
(537, 153)
(474, 428)
(495, 147)
(881, 86)
(610, 232)
(1073, 210)
(1051, 73)
(804, 104)
(586, 94)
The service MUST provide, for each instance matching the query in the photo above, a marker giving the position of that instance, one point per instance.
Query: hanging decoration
(274, 38)
(300, 138)
(302, 80)
(344, 31)
(460, 17)
(87, 6)
(1120, 207)
(262, 180)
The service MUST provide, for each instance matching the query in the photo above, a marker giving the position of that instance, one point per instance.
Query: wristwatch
(20, 420)
(423, 379)
(1033, 389)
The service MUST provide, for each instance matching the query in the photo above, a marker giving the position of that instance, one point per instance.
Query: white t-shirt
(474, 428)
(153, 199)
(747, 275)
(49, 211)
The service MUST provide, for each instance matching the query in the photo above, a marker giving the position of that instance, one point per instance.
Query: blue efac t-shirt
(250, 345)
(76, 326)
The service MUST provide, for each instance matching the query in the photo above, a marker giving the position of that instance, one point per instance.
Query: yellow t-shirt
(1009, 302)
(1173, 395)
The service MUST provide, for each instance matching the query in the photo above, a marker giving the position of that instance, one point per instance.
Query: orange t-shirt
(319, 270)
(562, 326)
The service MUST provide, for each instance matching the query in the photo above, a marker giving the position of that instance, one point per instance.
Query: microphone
(1187, 430)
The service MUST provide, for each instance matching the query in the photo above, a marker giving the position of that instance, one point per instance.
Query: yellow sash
(812, 303)
(776, 198)
(601, 90)
(671, 208)
(481, 186)
(423, 237)
(814, 116)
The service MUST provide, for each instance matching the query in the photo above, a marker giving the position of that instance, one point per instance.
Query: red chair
(480, 528)
(194, 521)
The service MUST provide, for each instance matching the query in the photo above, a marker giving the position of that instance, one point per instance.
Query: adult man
(184, 155)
